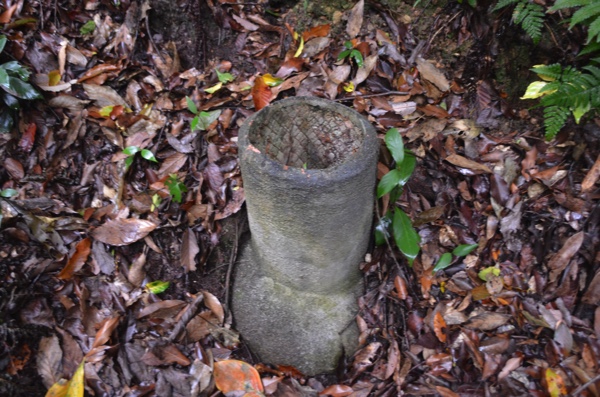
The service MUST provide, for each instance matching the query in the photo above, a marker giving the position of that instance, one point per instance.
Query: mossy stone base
(269, 315)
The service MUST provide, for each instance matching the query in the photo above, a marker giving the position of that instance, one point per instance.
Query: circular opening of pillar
(311, 133)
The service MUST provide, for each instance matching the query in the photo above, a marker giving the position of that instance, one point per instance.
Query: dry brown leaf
(511, 365)
(233, 205)
(487, 321)
(401, 288)
(445, 392)
(14, 168)
(104, 96)
(316, 31)
(464, 162)
(592, 177)
(106, 328)
(439, 327)
(433, 110)
(393, 359)
(214, 305)
(355, 19)
(261, 93)
(137, 273)
(338, 75)
(48, 360)
(432, 74)
(162, 309)
(165, 355)
(76, 262)
(189, 250)
(123, 231)
(559, 262)
(363, 72)
(171, 164)
(337, 391)
(592, 293)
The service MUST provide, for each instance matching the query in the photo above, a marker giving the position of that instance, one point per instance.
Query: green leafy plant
(130, 151)
(527, 14)
(157, 287)
(176, 187)
(203, 119)
(405, 235)
(564, 91)
(13, 81)
(588, 15)
(88, 27)
(351, 52)
(156, 201)
(447, 258)
(224, 77)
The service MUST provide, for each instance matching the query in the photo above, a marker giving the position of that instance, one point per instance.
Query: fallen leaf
(214, 305)
(316, 31)
(73, 388)
(105, 330)
(511, 364)
(104, 96)
(355, 19)
(432, 74)
(165, 355)
(439, 327)
(487, 321)
(401, 288)
(76, 262)
(235, 375)
(555, 383)
(591, 177)
(14, 168)
(123, 231)
(463, 162)
(261, 93)
(337, 391)
(592, 293)
(559, 262)
(189, 250)
(49, 360)
(445, 392)
(171, 164)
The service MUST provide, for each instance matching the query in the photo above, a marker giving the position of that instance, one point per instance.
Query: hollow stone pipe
(309, 171)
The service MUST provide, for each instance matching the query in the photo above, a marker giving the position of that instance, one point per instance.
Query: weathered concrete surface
(309, 168)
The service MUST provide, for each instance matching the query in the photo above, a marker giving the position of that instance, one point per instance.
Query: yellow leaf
(300, 48)
(556, 384)
(106, 111)
(72, 388)
(578, 112)
(533, 91)
(214, 88)
(349, 87)
(53, 78)
(271, 81)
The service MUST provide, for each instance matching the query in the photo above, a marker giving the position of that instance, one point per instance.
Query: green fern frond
(585, 13)
(590, 49)
(554, 119)
(560, 4)
(504, 3)
(548, 72)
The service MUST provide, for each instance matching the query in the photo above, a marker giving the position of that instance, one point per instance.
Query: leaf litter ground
(86, 237)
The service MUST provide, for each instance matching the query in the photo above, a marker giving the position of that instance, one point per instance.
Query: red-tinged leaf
(316, 31)
(73, 388)
(98, 70)
(261, 93)
(214, 305)
(76, 262)
(555, 383)
(401, 288)
(337, 391)
(435, 111)
(235, 375)
(439, 327)
(123, 231)
(28, 138)
(189, 250)
(106, 328)
(14, 168)
(559, 262)
(290, 66)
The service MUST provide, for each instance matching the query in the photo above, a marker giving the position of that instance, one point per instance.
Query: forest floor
(114, 184)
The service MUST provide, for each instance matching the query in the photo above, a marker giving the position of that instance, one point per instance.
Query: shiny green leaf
(131, 150)
(15, 69)
(224, 77)
(10, 101)
(2, 42)
(7, 193)
(444, 261)
(358, 58)
(128, 162)
(388, 182)
(156, 287)
(464, 249)
(19, 88)
(88, 27)
(406, 168)
(191, 105)
(176, 187)
(405, 235)
(488, 271)
(394, 143)
(343, 54)
(148, 155)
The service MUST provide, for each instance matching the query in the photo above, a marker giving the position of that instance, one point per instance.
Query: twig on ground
(185, 319)
(586, 385)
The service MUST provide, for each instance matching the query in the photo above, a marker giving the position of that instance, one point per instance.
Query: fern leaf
(548, 72)
(593, 31)
(584, 13)
(504, 3)
(533, 22)
(554, 119)
(560, 4)
(590, 48)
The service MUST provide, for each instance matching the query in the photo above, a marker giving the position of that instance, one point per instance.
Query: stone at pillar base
(269, 315)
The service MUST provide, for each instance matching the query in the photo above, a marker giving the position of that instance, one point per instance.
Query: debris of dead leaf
(189, 250)
(355, 19)
(591, 177)
(561, 259)
(487, 321)
(77, 260)
(123, 231)
(430, 73)
(463, 162)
